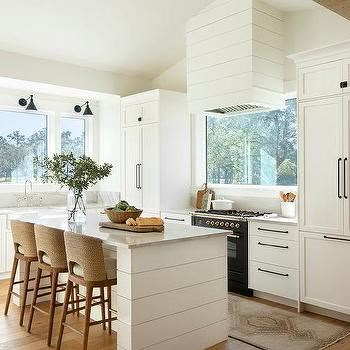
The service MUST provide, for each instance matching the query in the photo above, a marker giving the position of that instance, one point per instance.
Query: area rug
(272, 328)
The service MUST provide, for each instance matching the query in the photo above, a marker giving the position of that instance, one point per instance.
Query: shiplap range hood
(235, 57)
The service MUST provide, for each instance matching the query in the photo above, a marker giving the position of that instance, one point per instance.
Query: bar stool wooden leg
(77, 298)
(12, 280)
(25, 291)
(109, 306)
(64, 313)
(103, 307)
(35, 295)
(87, 316)
(52, 306)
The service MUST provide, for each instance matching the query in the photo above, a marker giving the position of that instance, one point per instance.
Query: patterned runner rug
(272, 328)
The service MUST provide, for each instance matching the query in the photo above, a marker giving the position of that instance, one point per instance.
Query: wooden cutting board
(125, 227)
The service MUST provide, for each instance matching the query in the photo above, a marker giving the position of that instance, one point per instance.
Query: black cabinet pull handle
(269, 230)
(140, 187)
(173, 219)
(136, 176)
(339, 195)
(344, 174)
(337, 239)
(274, 245)
(273, 272)
(139, 119)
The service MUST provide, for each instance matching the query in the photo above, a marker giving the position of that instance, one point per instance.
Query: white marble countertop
(57, 218)
(278, 220)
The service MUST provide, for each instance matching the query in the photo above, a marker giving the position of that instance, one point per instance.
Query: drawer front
(272, 279)
(273, 230)
(175, 218)
(273, 251)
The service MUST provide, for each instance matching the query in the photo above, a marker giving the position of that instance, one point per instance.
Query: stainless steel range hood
(235, 58)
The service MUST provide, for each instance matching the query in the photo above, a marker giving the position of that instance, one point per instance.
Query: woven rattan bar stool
(88, 268)
(25, 251)
(52, 259)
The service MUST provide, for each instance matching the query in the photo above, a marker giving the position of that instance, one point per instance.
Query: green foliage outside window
(256, 149)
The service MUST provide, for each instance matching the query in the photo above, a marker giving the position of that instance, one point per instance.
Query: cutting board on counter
(125, 227)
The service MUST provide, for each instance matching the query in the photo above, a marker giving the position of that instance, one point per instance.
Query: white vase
(76, 206)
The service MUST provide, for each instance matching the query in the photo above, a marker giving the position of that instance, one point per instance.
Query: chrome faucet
(25, 187)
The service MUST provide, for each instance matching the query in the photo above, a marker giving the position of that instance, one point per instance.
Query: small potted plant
(77, 174)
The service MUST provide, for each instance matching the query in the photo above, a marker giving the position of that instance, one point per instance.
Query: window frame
(53, 119)
(199, 164)
(87, 130)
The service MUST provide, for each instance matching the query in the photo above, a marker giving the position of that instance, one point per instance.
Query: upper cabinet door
(346, 75)
(132, 161)
(321, 80)
(131, 115)
(320, 174)
(150, 172)
(150, 112)
(346, 162)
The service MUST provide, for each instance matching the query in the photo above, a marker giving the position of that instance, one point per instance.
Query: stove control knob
(237, 225)
(216, 223)
(222, 223)
(212, 223)
(232, 225)
(207, 222)
(227, 224)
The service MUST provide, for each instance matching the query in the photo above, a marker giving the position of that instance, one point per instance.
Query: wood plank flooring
(14, 337)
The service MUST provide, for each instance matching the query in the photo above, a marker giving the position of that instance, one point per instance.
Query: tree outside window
(256, 149)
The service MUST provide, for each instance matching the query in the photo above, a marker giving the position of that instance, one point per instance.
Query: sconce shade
(87, 110)
(31, 106)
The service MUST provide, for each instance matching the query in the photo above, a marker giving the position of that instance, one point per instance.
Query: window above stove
(258, 149)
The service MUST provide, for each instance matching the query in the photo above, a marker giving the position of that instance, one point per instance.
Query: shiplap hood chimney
(235, 57)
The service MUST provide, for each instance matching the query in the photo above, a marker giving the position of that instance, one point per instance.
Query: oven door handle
(234, 236)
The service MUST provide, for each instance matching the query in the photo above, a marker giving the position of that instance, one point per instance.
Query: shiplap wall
(235, 55)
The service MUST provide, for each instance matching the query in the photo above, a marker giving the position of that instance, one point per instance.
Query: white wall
(306, 30)
(30, 68)
(174, 78)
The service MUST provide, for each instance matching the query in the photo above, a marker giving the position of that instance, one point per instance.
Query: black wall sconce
(24, 101)
(87, 111)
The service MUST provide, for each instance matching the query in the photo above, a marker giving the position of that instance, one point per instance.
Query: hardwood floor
(14, 337)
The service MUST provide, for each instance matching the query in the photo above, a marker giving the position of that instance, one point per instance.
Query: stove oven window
(253, 149)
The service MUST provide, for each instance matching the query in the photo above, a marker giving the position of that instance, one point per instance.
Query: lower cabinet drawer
(272, 279)
(274, 251)
(176, 218)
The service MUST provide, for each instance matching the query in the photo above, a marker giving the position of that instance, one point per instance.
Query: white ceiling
(134, 37)
(293, 5)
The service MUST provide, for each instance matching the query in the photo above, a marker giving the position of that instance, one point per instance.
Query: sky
(29, 123)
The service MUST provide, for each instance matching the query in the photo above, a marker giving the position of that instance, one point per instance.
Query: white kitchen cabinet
(324, 278)
(320, 80)
(273, 258)
(156, 152)
(140, 109)
(176, 218)
(6, 248)
(132, 159)
(320, 160)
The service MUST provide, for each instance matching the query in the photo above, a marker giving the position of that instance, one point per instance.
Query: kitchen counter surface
(278, 220)
(57, 218)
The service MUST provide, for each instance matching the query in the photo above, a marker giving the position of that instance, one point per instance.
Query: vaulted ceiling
(341, 7)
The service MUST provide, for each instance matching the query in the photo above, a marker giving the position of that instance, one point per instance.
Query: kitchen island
(172, 286)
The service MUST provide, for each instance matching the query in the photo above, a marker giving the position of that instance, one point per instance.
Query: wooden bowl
(120, 217)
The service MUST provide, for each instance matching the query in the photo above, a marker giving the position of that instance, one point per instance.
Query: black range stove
(237, 243)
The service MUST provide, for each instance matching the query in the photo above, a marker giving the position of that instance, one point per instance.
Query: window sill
(250, 190)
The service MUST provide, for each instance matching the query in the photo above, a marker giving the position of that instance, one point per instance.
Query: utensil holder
(288, 209)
